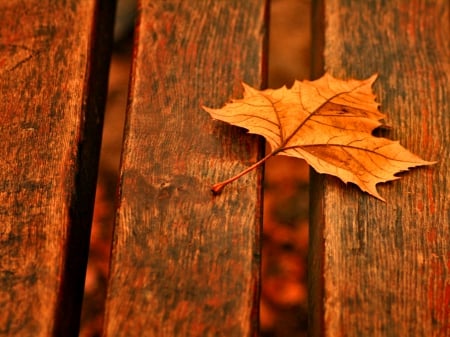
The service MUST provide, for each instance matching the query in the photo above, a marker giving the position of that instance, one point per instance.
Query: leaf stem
(217, 188)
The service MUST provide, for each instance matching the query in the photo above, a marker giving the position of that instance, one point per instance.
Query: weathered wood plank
(186, 263)
(383, 269)
(50, 127)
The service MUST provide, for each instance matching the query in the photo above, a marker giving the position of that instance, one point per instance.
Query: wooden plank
(50, 127)
(186, 263)
(382, 269)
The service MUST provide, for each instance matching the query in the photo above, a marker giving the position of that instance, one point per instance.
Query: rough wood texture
(50, 127)
(383, 269)
(186, 263)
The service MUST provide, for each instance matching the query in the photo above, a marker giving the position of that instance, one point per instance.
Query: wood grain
(383, 269)
(186, 263)
(50, 127)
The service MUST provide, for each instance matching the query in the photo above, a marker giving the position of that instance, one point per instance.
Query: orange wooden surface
(382, 269)
(50, 128)
(186, 263)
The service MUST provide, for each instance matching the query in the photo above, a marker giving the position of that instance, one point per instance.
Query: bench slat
(50, 128)
(383, 269)
(186, 263)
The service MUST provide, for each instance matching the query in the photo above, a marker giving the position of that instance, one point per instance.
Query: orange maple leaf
(327, 122)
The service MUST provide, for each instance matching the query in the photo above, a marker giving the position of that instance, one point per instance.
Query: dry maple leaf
(327, 122)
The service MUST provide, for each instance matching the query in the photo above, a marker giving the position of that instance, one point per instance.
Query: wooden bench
(185, 263)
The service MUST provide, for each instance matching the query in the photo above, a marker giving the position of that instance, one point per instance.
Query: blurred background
(283, 307)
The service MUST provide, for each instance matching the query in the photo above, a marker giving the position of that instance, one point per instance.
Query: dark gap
(283, 304)
(94, 300)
